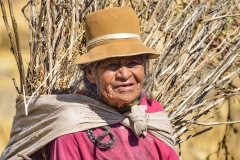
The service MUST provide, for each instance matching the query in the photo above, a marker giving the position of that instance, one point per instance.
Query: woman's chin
(120, 99)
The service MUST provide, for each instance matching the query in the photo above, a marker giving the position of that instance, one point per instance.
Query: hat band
(113, 36)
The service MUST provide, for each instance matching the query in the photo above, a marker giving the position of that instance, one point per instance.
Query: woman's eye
(112, 66)
(133, 64)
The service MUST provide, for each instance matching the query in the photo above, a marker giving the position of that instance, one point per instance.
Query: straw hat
(113, 32)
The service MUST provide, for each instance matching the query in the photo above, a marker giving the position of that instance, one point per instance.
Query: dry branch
(15, 44)
(199, 43)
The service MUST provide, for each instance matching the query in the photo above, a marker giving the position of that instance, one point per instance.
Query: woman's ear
(90, 75)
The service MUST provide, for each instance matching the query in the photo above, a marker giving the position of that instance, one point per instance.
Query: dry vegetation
(8, 70)
(196, 77)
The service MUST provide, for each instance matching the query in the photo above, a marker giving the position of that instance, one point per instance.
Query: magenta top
(77, 146)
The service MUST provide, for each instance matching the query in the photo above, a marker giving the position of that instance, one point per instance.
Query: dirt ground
(197, 148)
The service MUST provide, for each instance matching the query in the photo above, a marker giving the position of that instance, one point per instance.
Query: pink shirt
(77, 146)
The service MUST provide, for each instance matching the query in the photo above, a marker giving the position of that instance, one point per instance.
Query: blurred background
(8, 69)
(205, 146)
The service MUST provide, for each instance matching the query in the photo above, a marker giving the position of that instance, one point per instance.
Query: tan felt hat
(113, 32)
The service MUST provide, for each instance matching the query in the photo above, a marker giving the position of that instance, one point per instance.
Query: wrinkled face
(119, 80)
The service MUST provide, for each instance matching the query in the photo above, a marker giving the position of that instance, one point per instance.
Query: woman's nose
(124, 72)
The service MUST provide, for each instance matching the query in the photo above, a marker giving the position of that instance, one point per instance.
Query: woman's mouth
(125, 87)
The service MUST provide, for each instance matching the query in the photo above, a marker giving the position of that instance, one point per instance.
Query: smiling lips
(125, 87)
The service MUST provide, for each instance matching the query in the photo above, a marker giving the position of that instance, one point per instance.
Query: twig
(25, 104)
(23, 11)
(15, 84)
(219, 17)
(49, 46)
(196, 134)
(214, 123)
(18, 52)
(23, 156)
(12, 40)
(73, 26)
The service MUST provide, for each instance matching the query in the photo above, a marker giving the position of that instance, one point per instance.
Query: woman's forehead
(123, 59)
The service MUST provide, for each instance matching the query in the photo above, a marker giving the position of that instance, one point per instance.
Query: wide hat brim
(116, 48)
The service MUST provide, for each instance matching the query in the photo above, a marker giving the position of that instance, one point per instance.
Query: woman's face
(119, 80)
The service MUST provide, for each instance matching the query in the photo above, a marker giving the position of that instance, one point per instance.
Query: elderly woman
(114, 73)
(111, 117)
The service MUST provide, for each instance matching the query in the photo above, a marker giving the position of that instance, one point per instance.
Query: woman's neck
(127, 108)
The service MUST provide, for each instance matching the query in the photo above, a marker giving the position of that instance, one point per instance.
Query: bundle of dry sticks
(199, 43)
